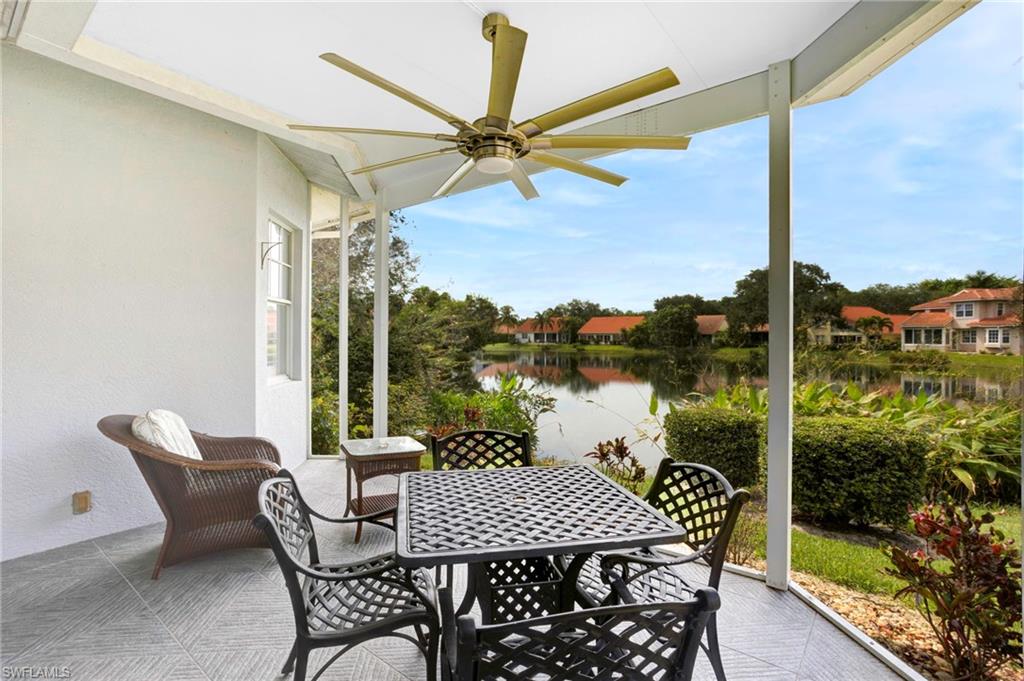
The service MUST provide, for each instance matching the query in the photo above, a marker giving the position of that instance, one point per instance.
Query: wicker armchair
(208, 504)
(620, 642)
(342, 605)
(701, 500)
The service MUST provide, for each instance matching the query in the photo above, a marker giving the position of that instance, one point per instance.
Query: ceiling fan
(494, 144)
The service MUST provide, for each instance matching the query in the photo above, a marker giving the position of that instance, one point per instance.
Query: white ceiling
(267, 53)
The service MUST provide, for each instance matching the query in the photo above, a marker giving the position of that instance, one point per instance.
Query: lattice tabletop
(449, 517)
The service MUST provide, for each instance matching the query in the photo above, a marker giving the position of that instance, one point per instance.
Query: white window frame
(915, 336)
(1000, 309)
(931, 332)
(284, 368)
(969, 336)
(963, 310)
(1005, 336)
(988, 337)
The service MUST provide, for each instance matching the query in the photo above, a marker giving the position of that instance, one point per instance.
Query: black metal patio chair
(653, 641)
(469, 450)
(347, 604)
(701, 500)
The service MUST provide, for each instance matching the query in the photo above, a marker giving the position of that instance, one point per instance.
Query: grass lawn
(568, 348)
(958, 360)
(733, 354)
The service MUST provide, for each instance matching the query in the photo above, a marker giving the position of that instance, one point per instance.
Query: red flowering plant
(967, 584)
(614, 459)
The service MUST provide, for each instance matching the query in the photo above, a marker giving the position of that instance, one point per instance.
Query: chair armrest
(622, 568)
(234, 448)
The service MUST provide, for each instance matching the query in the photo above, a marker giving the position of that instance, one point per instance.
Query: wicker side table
(372, 458)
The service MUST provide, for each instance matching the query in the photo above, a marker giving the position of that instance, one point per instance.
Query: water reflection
(601, 396)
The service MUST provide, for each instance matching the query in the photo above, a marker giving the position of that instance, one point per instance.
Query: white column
(780, 322)
(344, 219)
(381, 294)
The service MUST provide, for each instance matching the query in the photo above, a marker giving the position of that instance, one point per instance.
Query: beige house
(973, 320)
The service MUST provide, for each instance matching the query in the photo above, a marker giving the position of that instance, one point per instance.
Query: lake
(601, 396)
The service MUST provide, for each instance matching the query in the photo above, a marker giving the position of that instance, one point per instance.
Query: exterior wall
(601, 338)
(130, 270)
(282, 405)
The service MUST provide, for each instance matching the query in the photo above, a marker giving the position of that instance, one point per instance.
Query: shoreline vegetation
(863, 356)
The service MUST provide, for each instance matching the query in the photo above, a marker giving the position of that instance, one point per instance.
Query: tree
(507, 318)
(873, 327)
(673, 326)
(698, 303)
(543, 322)
(817, 300)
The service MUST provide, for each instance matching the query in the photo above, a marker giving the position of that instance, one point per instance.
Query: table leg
(359, 511)
(475, 573)
(567, 589)
(348, 488)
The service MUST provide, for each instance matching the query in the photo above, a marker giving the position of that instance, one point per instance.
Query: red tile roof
(610, 324)
(530, 326)
(602, 375)
(968, 295)
(897, 321)
(1008, 319)
(928, 319)
(710, 324)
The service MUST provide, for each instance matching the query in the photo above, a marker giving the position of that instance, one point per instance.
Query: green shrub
(725, 439)
(324, 424)
(861, 470)
(921, 359)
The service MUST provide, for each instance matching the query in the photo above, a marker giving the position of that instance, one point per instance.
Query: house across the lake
(848, 332)
(973, 320)
(608, 330)
(710, 324)
(552, 331)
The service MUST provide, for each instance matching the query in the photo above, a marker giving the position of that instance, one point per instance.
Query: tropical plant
(974, 449)
(873, 326)
(615, 460)
(513, 406)
(967, 584)
(543, 321)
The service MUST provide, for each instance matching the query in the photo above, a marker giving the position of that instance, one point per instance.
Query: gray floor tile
(225, 617)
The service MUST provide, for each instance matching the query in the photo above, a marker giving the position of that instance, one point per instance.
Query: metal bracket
(265, 248)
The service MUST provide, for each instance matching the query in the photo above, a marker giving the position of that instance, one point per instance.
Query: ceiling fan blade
(397, 90)
(574, 166)
(522, 182)
(506, 59)
(606, 99)
(454, 178)
(375, 131)
(400, 161)
(609, 142)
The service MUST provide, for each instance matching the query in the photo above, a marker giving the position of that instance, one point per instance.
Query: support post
(381, 296)
(344, 219)
(780, 323)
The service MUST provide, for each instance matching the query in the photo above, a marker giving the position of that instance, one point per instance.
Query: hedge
(725, 439)
(861, 470)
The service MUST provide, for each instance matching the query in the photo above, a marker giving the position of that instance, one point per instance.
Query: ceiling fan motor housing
(493, 152)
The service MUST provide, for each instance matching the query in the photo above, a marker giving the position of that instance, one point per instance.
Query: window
(1006, 336)
(969, 336)
(964, 309)
(912, 336)
(1000, 309)
(933, 336)
(993, 337)
(280, 273)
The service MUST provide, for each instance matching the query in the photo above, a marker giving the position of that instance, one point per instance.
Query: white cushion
(166, 430)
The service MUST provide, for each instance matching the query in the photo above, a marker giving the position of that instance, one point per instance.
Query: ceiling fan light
(494, 165)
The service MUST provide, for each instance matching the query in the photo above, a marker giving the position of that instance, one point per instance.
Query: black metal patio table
(505, 523)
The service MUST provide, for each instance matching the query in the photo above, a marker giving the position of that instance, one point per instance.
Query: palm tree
(508, 319)
(544, 321)
(873, 327)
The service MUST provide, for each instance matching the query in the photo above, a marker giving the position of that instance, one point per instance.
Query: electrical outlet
(81, 502)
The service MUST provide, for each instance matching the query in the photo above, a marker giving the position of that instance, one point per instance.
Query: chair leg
(432, 653)
(164, 549)
(290, 662)
(450, 576)
(301, 662)
(714, 655)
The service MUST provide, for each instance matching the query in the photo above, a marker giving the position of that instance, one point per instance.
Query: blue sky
(917, 174)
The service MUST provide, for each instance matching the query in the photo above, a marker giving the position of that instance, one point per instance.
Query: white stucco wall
(130, 277)
(282, 406)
